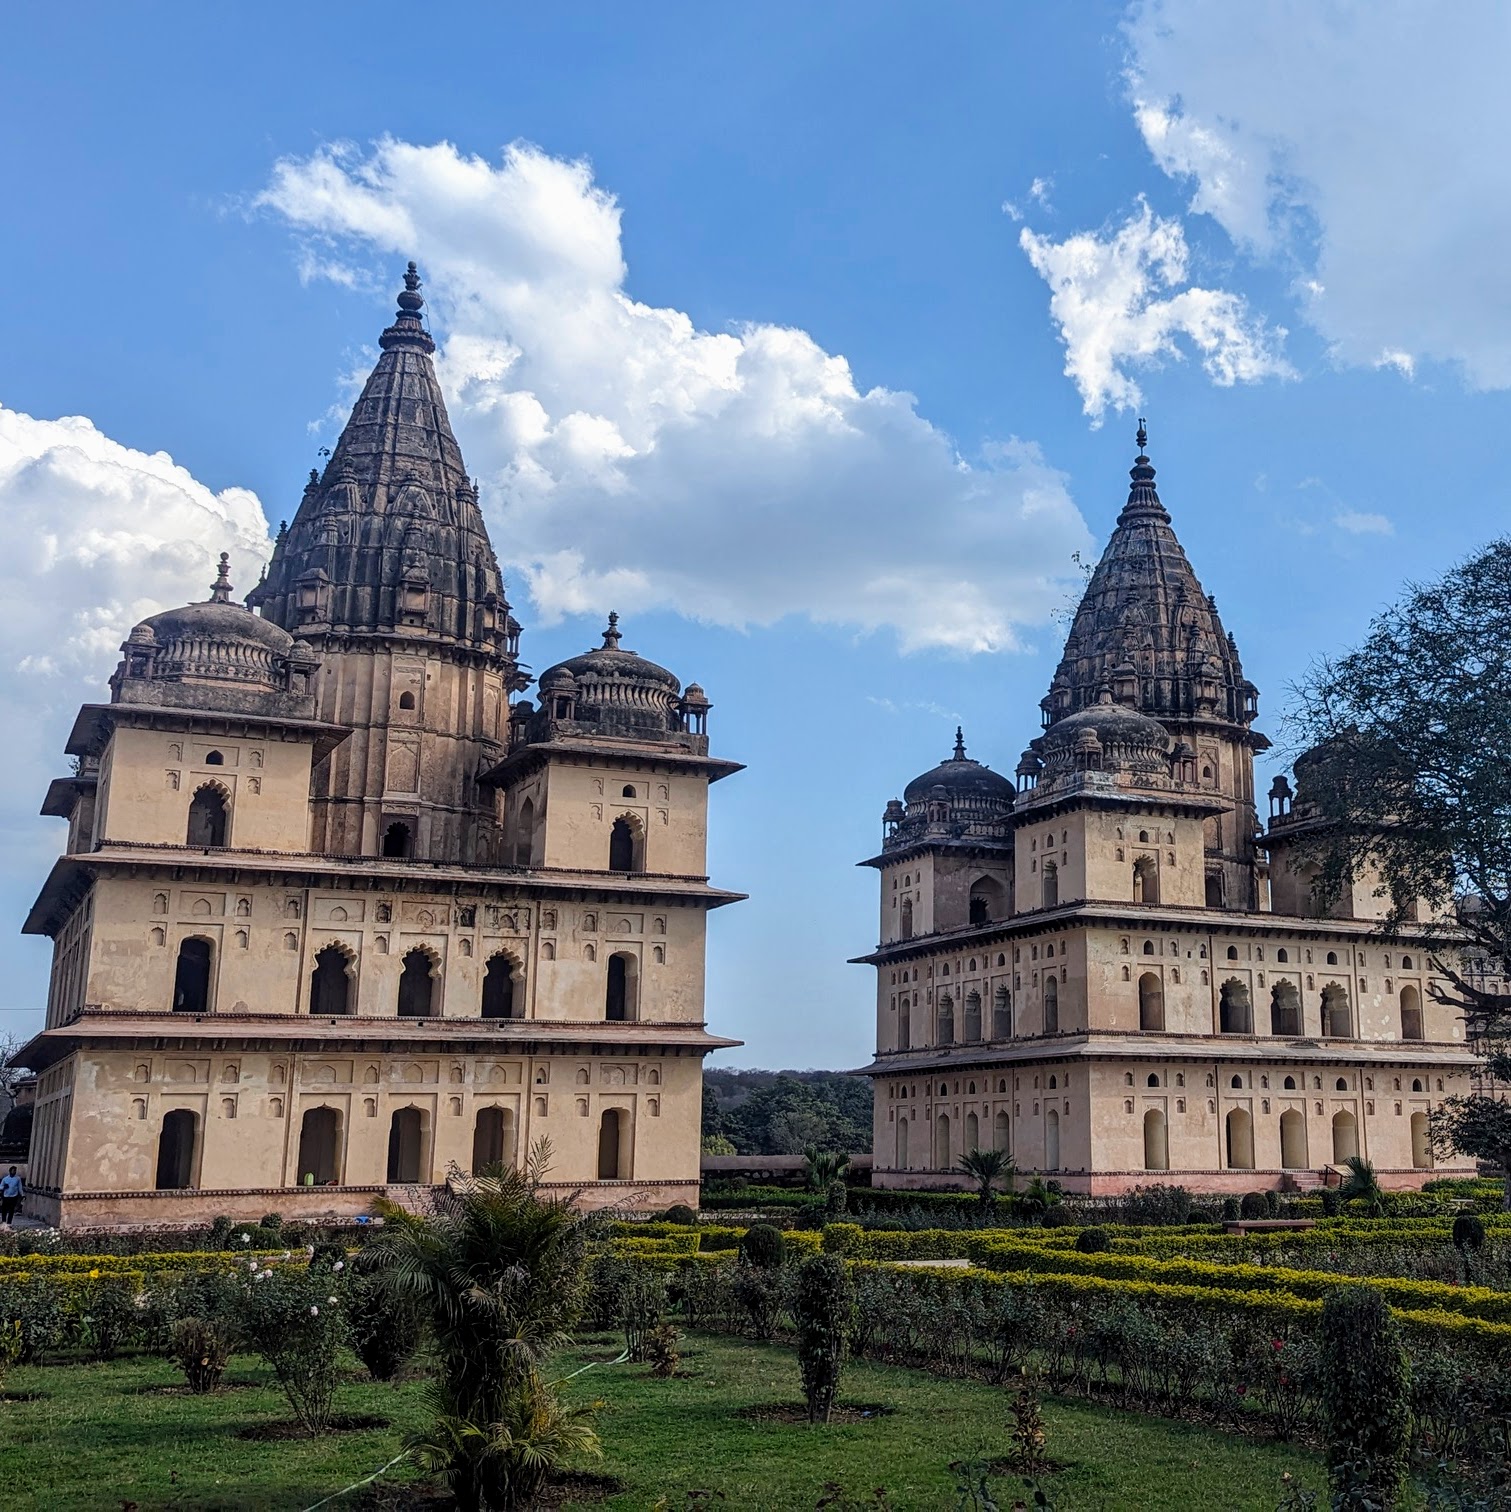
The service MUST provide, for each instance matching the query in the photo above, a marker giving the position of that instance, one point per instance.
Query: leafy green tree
(497, 1272)
(1362, 1371)
(779, 1113)
(986, 1168)
(824, 1166)
(1361, 1184)
(1406, 777)
(823, 1310)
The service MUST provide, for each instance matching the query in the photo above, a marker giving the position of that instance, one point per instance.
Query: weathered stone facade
(335, 913)
(1108, 969)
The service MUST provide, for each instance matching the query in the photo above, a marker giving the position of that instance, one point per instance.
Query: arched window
(1145, 881)
(417, 984)
(1052, 1141)
(319, 1148)
(1345, 1137)
(907, 919)
(493, 1141)
(621, 990)
(330, 983)
(1051, 884)
(409, 1147)
(972, 1132)
(614, 1145)
(972, 1020)
(1293, 1140)
(398, 841)
(177, 1151)
(1002, 1015)
(942, 1158)
(1411, 1014)
(498, 990)
(1235, 1014)
(1237, 1081)
(626, 845)
(1337, 1019)
(1151, 1002)
(944, 1020)
(208, 817)
(214, 758)
(1154, 1078)
(406, 700)
(191, 977)
(1282, 954)
(1289, 1084)
(1332, 958)
(1051, 1005)
(1416, 1084)
(1214, 890)
(1156, 1141)
(987, 902)
(524, 834)
(1148, 947)
(1405, 963)
(1285, 1009)
(1240, 1132)
(1232, 952)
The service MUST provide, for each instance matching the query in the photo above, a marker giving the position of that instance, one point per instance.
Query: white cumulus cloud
(629, 458)
(1121, 300)
(1361, 145)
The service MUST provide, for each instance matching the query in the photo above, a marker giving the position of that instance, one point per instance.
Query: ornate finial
(408, 330)
(220, 589)
(611, 636)
(412, 283)
(1142, 495)
(314, 478)
(959, 743)
(1142, 437)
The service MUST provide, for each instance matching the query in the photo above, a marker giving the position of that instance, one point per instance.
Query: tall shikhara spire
(390, 536)
(1146, 632)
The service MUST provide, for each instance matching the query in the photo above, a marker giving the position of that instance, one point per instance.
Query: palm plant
(1361, 1182)
(1037, 1199)
(497, 1272)
(986, 1168)
(824, 1166)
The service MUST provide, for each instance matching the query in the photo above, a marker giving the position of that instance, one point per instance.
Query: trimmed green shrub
(843, 1238)
(680, 1214)
(763, 1246)
(1364, 1398)
(1157, 1205)
(1092, 1241)
(1254, 1206)
(384, 1328)
(1230, 1209)
(272, 1222)
(836, 1199)
(1058, 1217)
(823, 1310)
(1468, 1232)
(201, 1349)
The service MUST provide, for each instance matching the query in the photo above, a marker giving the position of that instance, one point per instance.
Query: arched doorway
(176, 1150)
(1051, 1005)
(1240, 1131)
(1151, 1002)
(972, 1132)
(398, 841)
(1411, 1014)
(408, 1155)
(944, 1021)
(614, 1145)
(1285, 1009)
(1000, 1132)
(907, 919)
(524, 834)
(1052, 1141)
(1293, 1140)
(498, 989)
(208, 816)
(987, 901)
(972, 1017)
(1002, 1015)
(902, 1144)
(1421, 1141)
(942, 1160)
(1337, 1020)
(331, 983)
(1235, 1014)
(625, 848)
(1345, 1137)
(417, 985)
(1051, 884)
(492, 1138)
(191, 977)
(621, 988)
(1156, 1141)
(1145, 881)
(319, 1148)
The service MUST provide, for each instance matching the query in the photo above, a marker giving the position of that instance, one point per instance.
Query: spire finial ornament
(220, 589)
(1142, 437)
(1142, 497)
(611, 636)
(959, 743)
(408, 330)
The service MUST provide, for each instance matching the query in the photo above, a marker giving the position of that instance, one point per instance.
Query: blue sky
(811, 338)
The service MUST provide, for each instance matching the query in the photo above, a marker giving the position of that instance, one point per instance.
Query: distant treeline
(781, 1112)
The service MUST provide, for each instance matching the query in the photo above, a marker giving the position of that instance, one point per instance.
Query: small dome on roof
(608, 664)
(960, 777)
(1112, 724)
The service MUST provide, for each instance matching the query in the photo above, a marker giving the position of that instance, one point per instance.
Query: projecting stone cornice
(1149, 918)
(71, 876)
(643, 753)
(101, 1027)
(94, 722)
(1211, 1048)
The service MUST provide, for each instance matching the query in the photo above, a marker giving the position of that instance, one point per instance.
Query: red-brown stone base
(108, 1211)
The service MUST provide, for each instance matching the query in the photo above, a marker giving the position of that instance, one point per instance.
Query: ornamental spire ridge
(220, 589)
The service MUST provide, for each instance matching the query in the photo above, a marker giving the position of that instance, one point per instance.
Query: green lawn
(98, 1436)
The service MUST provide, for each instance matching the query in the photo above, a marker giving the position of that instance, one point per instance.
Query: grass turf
(98, 1436)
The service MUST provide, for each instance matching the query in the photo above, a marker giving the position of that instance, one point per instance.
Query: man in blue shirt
(11, 1189)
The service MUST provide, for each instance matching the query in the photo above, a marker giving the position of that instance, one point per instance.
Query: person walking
(12, 1189)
